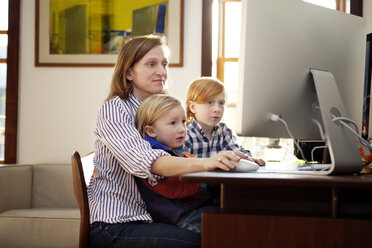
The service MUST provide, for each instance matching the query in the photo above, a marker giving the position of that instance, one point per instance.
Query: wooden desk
(288, 210)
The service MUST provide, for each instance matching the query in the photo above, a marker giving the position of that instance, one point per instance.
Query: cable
(275, 117)
(334, 119)
(316, 122)
(342, 121)
(314, 148)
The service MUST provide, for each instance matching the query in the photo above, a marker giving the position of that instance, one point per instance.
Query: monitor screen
(280, 42)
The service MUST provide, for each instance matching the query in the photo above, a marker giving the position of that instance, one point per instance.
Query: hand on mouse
(260, 162)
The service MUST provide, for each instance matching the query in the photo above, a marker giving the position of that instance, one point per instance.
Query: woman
(118, 214)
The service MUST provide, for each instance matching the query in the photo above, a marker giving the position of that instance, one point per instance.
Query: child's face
(170, 128)
(210, 113)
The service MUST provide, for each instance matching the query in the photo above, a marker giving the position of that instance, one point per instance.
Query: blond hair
(130, 53)
(152, 108)
(201, 91)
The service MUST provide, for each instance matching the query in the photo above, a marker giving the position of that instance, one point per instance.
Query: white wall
(58, 106)
(367, 14)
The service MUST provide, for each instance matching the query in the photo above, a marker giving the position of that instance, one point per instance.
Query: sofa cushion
(53, 186)
(15, 186)
(40, 227)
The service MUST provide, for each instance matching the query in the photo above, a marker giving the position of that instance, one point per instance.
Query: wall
(367, 14)
(58, 106)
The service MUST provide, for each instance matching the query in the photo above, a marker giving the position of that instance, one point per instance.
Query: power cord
(343, 120)
(317, 123)
(275, 118)
(314, 148)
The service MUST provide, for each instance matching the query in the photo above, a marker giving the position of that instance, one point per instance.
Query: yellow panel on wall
(93, 26)
(122, 9)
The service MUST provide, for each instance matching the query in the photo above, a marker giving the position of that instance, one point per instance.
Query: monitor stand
(343, 145)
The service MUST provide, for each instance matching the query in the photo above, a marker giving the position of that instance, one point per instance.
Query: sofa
(38, 206)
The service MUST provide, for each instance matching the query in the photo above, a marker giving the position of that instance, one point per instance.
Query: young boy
(161, 120)
(206, 134)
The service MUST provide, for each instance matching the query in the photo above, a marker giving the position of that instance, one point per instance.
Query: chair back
(81, 195)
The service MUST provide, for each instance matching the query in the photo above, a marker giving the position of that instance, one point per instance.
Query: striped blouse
(119, 153)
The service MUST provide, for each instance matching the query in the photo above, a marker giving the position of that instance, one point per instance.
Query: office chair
(80, 189)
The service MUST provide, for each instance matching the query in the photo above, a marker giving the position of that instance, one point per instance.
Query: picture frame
(47, 57)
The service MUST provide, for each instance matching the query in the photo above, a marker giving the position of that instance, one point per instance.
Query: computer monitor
(280, 42)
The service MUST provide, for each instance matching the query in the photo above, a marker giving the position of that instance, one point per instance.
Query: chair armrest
(15, 186)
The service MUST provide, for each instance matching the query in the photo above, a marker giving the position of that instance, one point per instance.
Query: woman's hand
(259, 161)
(224, 160)
(173, 166)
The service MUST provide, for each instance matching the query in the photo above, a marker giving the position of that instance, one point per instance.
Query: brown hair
(130, 53)
(152, 108)
(202, 90)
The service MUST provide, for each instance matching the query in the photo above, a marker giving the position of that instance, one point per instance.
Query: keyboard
(293, 167)
(313, 167)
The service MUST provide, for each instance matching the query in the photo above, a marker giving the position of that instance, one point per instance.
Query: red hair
(202, 90)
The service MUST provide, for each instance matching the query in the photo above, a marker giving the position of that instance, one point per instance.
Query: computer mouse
(245, 165)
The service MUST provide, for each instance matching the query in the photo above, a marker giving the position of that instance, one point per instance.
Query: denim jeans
(139, 234)
(192, 220)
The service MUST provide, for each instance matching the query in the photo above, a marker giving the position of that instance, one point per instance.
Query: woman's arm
(173, 166)
(115, 132)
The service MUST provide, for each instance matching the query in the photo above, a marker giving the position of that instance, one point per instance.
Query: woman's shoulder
(112, 104)
(117, 102)
(116, 107)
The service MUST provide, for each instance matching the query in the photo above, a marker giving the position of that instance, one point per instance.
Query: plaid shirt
(199, 145)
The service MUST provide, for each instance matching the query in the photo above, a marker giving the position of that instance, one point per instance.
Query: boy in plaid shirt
(206, 134)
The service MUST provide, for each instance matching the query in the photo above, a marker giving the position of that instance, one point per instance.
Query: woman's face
(150, 73)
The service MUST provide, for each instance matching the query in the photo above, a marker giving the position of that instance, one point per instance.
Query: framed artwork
(89, 33)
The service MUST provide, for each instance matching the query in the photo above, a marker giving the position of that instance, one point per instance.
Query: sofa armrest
(15, 186)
